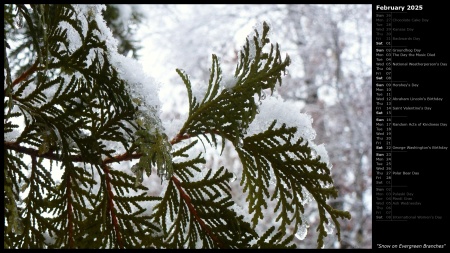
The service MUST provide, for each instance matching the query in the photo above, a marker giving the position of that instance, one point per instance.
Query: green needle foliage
(79, 114)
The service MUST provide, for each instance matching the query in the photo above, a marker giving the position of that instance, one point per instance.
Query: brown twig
(122, 157)
(180, 137)
(25, 74)
(35, 153)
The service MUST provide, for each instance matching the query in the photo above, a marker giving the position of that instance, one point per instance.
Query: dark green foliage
(296, 173)
(87, 110)
(229, 112)
(81, 117)
(193, 209)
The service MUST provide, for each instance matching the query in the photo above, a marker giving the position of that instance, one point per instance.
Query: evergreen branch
(70, 215)
(6, 63)
(214, 80)
(25, 222)
(192, 210)
(229, 112)
(8, 90)
(84, 104)
(13, 166)
(269, 240)
(70, 218)
(207, 202)
(212, 199)
(111, 206)
(274, 155)
(33, 30)
(192, 100)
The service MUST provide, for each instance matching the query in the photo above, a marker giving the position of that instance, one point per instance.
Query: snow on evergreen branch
(86, 109)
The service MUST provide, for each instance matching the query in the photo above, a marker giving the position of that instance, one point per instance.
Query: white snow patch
(275, 108)
(287, 112)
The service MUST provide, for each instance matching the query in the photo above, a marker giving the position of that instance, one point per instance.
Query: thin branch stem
(180, 137)
(78, 158)
(25, 74)
(35, 153)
